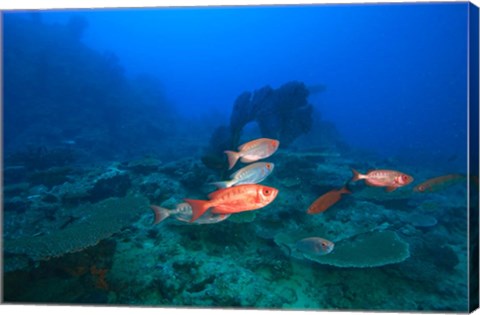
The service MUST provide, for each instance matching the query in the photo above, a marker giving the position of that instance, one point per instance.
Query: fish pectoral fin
(390, 188)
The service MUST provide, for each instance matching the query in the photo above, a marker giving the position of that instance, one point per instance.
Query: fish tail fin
(232, 158)
(345, 190)
(221, 185)
(356, 175)
(160, 213)
(199, 207)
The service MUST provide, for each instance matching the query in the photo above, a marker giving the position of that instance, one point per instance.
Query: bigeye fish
(438, 183)
(316, 246)
(233, 200)
(327, 200)
(252, 151)
(183, 212)
(251, 174)
(389, 179)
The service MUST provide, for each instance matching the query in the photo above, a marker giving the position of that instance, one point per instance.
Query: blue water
(109, 103)
(411, 59)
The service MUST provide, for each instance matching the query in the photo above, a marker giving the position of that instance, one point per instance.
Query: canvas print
(308, 157)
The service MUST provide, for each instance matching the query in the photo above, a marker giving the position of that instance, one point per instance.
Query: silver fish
(252, 151)
(251, 174)
(314, 246)
(183, 212)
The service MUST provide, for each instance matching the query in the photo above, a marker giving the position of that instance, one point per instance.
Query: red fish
(437, 183)
(252, 151)
(327, 200)
(383, 178)
(234, 199)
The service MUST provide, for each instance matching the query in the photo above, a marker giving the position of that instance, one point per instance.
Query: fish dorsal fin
(240, 148)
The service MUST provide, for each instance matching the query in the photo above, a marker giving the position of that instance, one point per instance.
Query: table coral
(106, 218)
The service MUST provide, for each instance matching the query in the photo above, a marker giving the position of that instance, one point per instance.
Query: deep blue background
(395, 75)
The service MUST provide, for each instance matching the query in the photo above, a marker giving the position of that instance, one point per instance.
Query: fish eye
(405, 177)
(267, 192)
(269, 166)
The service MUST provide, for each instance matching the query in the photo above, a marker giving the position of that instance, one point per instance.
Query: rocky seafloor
(84, 235)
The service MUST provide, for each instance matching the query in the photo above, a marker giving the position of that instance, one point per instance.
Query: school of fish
(241, 193)
(244, 193)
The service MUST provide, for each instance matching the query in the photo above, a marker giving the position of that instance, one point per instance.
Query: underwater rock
(158, 188)
(106, 218)
(283, 113)
(373, 249)
(50, 177)
(244, 217)
(14, 174)
(72, 193)
(430, 264)
(220, 140)
(41, 157)
(408, 230)
(16, 204)
(399, 199)
(447, 259)
(143, 166)
(14, 190)
(115, 186)
(421, 220)
(242, 113)
(93, 186)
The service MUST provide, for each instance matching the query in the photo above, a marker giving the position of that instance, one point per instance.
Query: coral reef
(78, 228)
(195, 265)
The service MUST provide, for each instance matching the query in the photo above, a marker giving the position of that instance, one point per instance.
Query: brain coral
(372, 249)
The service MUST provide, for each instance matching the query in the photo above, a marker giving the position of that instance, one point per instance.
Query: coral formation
(366, 250)
(282, 114)
(419, 220)
(101, 221)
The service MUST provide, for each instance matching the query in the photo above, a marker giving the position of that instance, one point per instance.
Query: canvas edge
(473, 156)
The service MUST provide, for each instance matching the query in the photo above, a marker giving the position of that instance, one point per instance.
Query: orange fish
(436, 183)
(234, 199)
(252, 151)
(327, 200)
(383, 178)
